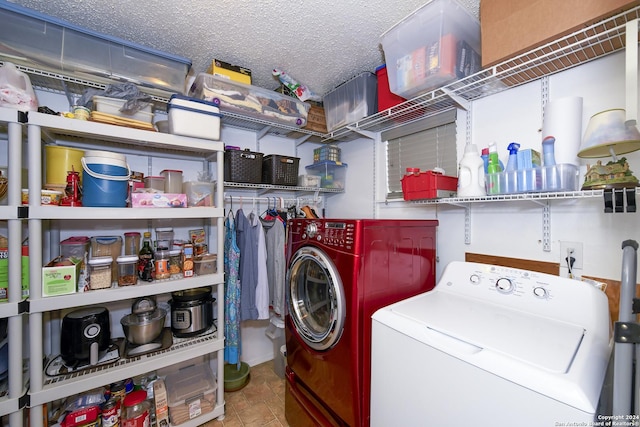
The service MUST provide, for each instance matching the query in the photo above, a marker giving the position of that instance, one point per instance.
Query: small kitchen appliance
(144, 328)
(191, 311)
(85, 336)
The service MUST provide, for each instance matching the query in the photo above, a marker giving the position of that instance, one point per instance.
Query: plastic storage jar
(172, 181)
(100, 272)
(131, 243)
(175, 262)
(162, 264)
(136, 411)
(76, 247)
(155, 182)
(127, 270)
(164, 238)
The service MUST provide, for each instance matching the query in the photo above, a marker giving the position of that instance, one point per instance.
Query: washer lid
(538, 341)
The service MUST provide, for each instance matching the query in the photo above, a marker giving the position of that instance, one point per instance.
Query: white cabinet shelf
(43, 128)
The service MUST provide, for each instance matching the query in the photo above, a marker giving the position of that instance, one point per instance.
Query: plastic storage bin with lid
(351, 101)
(191, 392)
(250, 100)
(433, 46)
(333, 174)
(38, 40)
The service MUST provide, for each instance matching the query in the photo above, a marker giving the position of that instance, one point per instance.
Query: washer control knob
(504, 285)
(312, 229)
(540, 292)
(474, 279)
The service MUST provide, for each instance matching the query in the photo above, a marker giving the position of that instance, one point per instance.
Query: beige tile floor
(259, 403)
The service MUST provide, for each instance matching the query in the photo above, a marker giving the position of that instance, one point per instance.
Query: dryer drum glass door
(316, 298)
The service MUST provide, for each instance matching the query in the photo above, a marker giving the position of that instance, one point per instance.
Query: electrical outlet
(568, 250)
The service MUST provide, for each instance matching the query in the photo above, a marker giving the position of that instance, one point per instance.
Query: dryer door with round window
(316, 298)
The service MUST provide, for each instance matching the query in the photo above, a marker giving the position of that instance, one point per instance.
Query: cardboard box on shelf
(4, 272)
(316, 120)
(228, 71)
(60, 276)
(512, 27)
(158, 200)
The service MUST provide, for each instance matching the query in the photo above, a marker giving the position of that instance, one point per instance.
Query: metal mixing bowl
(142, 329)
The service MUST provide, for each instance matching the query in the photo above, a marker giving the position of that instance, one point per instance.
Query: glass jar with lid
(136, 412)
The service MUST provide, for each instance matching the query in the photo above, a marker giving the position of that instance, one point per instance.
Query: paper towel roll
(563, 120)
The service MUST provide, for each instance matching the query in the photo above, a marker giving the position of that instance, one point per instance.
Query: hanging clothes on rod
(232, 348)
(254, 300)
(275, 238)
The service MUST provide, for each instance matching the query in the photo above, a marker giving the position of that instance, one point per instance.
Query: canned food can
(110, 413)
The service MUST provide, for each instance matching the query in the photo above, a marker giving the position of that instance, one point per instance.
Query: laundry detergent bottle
(471, 173)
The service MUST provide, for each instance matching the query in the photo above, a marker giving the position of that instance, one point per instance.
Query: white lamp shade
(608, 131)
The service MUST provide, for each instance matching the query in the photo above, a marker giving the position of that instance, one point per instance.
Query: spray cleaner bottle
(493, 171)
(511, 182)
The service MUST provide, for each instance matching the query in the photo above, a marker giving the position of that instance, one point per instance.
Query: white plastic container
(112, 106)
(193, 117)
(471, 174)
(100, 272)
(172, 181)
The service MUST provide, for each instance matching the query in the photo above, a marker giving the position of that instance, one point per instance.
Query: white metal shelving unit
(43, 128)
(11, 399)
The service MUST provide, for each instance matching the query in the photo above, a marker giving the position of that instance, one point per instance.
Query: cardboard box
(428, 185)
(228, 71)
(160, 400)
(4, 272)
(512, 27)
(158, 200)
(60, 279)
(316, 120)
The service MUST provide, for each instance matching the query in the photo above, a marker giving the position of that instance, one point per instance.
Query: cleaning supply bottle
(493, 171)
(548, 156)
(550, 177)
(512, 163)
(471, 173)
(510, 176)
(485, 158)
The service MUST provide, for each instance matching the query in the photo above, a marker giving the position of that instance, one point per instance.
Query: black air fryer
(86, 336)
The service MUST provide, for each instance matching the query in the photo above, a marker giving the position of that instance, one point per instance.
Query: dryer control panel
(339, 234)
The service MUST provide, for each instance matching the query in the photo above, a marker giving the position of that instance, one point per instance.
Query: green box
(61, 279)
(4, 273)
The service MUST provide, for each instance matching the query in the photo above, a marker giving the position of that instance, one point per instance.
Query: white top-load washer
(491, 346)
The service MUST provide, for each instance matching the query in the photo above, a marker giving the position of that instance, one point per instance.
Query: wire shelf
(589, 43)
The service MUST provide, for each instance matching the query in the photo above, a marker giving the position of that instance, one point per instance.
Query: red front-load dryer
(340, 271)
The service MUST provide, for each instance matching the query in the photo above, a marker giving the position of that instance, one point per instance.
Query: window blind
(426, 144)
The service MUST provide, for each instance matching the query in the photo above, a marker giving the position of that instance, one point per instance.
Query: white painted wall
(514, 229)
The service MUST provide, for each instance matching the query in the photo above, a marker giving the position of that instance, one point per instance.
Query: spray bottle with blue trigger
(512, 165)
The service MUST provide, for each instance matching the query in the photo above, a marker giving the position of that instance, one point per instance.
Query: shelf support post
(546, 227)
(467, 224)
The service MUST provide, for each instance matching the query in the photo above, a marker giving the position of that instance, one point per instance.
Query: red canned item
(136, 410)
(111, 413)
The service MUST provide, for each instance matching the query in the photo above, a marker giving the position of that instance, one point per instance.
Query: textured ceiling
(319, 43)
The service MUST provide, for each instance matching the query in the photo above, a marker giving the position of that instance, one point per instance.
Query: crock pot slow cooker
(191, 311)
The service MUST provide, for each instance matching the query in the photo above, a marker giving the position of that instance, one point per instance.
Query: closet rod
(276, 201)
